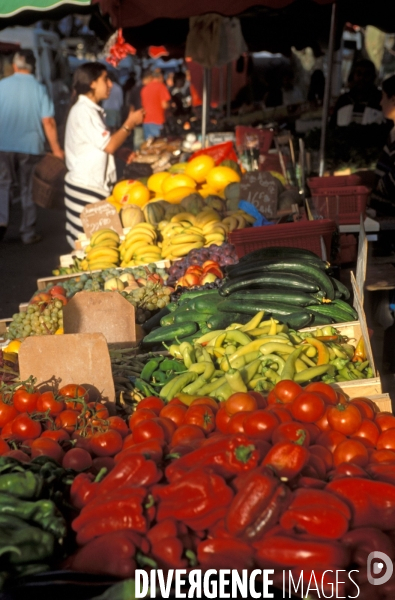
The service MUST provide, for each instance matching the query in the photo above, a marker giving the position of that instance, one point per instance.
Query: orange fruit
(177, 181)
(198, 168)
(220, 177)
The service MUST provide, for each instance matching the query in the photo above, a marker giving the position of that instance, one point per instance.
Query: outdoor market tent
(9, 8)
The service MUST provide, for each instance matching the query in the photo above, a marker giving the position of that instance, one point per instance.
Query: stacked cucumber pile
(289, 285)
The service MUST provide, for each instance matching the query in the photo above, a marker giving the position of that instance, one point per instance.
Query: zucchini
(172, 306)
(283, 280)
(190, 338)
(170, 333)
(240, 268)
(192, 294)
(206, 304)
(340, 287)
(222, 320)
(347, 308)
(306, 270)
(297, 320)
(183, 316)
(277, 251)
(168, 319)
(253, 306)
(290, 297)
(330, 310)
(322, 320)
(155, 320)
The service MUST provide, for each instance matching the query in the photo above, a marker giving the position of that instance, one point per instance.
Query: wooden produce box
(383, 401)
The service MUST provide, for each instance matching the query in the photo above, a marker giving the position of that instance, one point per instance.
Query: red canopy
(133, 13)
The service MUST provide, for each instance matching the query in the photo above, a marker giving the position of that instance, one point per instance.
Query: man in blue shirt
(26, 119)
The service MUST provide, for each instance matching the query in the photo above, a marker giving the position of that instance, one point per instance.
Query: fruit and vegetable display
(223, 255)
(43, 316)
(300, 479)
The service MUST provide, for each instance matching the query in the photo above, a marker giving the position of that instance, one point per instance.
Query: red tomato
(366, 409)
(351, 451)
(4, 447)
(313, 431)
(96, 412)
(386, 440)
(307, 407)
(25, 428)
(385, 421)
(236, 423)
(382, 456)
(324, 454)
(294, 432)
(6, 432)
(128, 441)
(240, 402)
(47, 447)
(186, 434)
(283, 414)
(119, 425)
(222, 419)
(213, 404)
(175, 401)
(325, 390)
(261, 400)
(7, 413)
(67, 420)
(202, 416)
(75, 391)
(152, 403)
(348, 470)
(57, 289)
(81, 441)
(25, 401)
(344, 418)
(108, 443)
(261, 424)
(48, 402)
(368, 433)
(174, 412)
(331, 439)
(60, 297)
(18, 455)
(77, 459)
(168, 426)
(58, 435)
(147, 430)
(322, 423)
(144, 414)
(287, 390)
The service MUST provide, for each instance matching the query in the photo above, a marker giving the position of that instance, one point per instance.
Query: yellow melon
(131, 192)
(177, 194)
(219, 177)
(156, 180)
(198, 168)
(180, 180)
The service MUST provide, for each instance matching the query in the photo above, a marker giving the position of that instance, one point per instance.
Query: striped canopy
(9, 8)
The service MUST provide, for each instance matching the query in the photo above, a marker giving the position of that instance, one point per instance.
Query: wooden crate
(383, 401)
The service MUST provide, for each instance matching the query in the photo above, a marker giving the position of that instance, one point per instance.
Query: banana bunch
(238, 220)
(140, 246)
(102, 252)
(182, 234)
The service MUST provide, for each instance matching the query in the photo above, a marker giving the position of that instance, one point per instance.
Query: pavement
(21, 266)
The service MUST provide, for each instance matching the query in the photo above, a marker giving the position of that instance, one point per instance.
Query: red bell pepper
(311, 483)
(317, 513)
(166, 529)
(287, 458)
(169, 554)
(110, 554)
(286, 552)
(372, 502)
(226, 456)
(347, 470)
(151, 449)
(84, 487)
(132, 470)
(315, 467)
(365, 540)
(255, 509)
(220, 553)
(382, 472)
(199, 499)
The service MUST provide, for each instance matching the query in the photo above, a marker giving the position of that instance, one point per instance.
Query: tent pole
(327, 93)
(205, 105)
(228, 88)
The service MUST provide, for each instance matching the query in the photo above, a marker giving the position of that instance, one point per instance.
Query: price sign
(100, 215)
(261, 189)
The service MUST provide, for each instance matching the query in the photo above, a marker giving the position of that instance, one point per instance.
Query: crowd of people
(103, 117)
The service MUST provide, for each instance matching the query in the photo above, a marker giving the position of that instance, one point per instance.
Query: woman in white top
(89, 145)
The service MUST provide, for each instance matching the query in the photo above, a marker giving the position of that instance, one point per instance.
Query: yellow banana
(146, 260)
(101, 265)
(195, 229)
(215, 227)
(132, 235)
(145, 226)
(215, 243)
(184, 249)
(168, 229)
(162, 224)
(142, 250)
(214, 237)
(231, 223)
(183, 216)
(132, 249)
(110, 254)
(106, 243)
(249, 218)
(141, 238)
(106, 234)
(241, 221)
(186, 238)
(204, 218)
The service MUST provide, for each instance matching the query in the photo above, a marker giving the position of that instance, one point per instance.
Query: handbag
(48, 182)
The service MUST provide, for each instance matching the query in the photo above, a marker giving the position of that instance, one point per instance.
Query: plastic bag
(219, 152)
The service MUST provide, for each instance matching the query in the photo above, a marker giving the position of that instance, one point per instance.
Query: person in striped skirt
(89, 145)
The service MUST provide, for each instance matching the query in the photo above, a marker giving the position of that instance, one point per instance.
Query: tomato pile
(300, 480)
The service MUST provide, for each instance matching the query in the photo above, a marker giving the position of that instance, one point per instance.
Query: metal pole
(327, 93)
(204, 105)
(228, 88)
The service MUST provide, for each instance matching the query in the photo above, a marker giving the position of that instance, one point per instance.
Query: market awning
(9, 8)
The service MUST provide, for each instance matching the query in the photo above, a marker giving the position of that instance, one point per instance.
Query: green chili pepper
(369, 373)
(271, 375)
(206, 371)
(150, 368)
(288, 371)
(339, 363)
(313, 372)
(348, 349)
(159, 377)
(171, 389)
(42, 512)
(249, 371)
(263, 385)
(26, 544)
(188, 354)
(208, 389)
(362, 365)
(171, 365)
(347, 375)
(22, 485)
(274, 358)
(144, 387)
(328, 379)
(223, 392)
(238, 337)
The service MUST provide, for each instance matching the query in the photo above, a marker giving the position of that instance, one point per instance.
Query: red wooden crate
(317, 183)
(343, 204)
(305, 234)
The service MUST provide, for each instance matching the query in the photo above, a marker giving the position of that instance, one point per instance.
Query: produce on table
(140, 246)
(223, 255)
(8, 364)
(102, 252)
(195, 275)
(44, 315)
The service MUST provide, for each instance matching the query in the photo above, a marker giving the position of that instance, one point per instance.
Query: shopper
(132, 91)
(89, 144)
(181, 101)
(113, 105)
(155, 99)
(383, 196)
(26, 120)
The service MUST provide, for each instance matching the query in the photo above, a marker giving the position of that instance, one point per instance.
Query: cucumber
(183, 316)
(290, 297)
(155, 320)
(285, 280)
(168, 319)
(347, 308)
(277, 251)
(207, 304)
(340, 287)
(239, 269)
(322, 320)
(221, 320)
(251, 307)
(172, 306)
(306, 270)
(190, 338)
(330, 310)
(297, 320)
(168, 334)
(190, 295)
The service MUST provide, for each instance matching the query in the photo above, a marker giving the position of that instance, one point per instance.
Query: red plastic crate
(318, 183)
(343, 204)
(305, 234)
